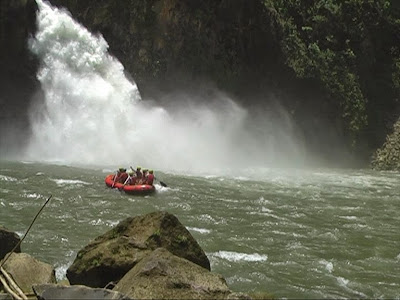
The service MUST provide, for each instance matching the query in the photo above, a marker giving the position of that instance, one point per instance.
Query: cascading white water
(92, 114)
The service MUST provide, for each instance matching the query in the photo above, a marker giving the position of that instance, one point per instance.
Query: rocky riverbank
(388, 156)
(151, 256)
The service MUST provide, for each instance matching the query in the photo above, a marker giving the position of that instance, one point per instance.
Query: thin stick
(30, 226)
(115, 177)
(13, 284)
(8, 289)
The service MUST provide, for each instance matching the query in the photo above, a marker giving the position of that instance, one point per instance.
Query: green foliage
(182, 239)
(396, 76)
(341, 44)
(156, 233)
(95, 262)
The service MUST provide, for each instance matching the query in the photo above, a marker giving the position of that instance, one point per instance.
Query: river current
(290, 233)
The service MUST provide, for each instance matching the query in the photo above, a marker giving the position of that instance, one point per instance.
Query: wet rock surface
(388, 156)
(173, 277)
(54, 291)
(8, 240)
(110, 256)
(27, 271)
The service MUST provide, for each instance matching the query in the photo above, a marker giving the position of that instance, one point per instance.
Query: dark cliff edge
(18, 69)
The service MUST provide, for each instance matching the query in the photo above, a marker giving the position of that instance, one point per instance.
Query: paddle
(115, 177)
(162, 183)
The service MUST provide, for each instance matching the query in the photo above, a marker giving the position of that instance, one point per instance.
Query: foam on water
(61, 271)
(235, 256)
(62, 182)
(32, 195)
(7, 178)
(328, 265)
(200, 230)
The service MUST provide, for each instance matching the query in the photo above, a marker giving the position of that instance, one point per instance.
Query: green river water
(290, 233)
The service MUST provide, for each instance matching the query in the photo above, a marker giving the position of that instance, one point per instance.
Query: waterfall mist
(93, 114)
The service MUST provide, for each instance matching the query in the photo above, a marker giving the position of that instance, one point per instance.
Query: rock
(388, 156)
(162, 275)
(54, 291)
(27, 271)
(18, 66)
(8, 240)
(110, 256)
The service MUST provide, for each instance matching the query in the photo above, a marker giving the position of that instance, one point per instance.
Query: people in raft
(139, 173)
(121, 175)
(137, 177)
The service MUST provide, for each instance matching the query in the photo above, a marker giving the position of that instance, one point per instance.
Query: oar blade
(163, 184)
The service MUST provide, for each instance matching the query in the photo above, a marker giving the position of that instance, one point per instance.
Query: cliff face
(17, 70)
(194, 45)
(170, 41)
(238, 46)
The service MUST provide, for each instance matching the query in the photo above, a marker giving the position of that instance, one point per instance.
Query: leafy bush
(342, 44)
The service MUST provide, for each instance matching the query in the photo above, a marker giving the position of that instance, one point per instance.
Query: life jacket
(122, 177)
(150, 179)
(131, 180)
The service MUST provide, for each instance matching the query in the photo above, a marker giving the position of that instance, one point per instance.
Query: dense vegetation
(352, 47)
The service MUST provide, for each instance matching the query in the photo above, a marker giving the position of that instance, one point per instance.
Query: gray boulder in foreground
(55, 291)
(8, 240)
(28, 271)
(162, 275)
(110, 256)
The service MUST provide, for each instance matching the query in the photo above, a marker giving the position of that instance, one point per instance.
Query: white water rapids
(92, 114)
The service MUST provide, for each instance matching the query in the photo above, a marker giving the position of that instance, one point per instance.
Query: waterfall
(93, 114)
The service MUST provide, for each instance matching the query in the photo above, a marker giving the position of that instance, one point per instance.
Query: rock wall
(388, 156)
(17, 71)
(172, 42)
(9, 240)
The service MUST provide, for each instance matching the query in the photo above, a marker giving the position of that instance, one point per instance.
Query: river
(291, 233)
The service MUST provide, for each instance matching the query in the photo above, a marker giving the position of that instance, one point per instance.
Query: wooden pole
(13, 284)
(8, 289)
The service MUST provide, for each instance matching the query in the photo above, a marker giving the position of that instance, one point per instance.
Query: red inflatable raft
(137, 189)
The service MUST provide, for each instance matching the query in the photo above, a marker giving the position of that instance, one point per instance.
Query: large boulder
(110, 256)
(162, 275)
(8, 240)
(28, 271)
